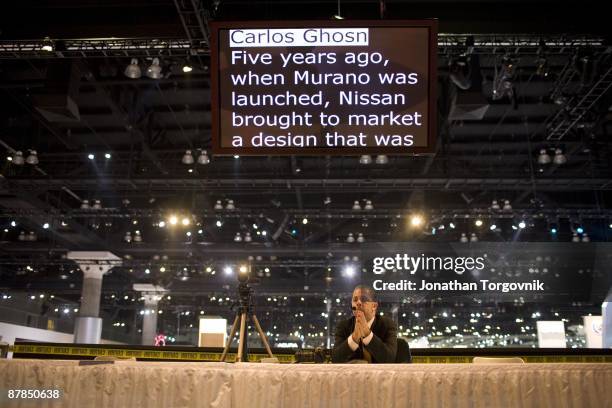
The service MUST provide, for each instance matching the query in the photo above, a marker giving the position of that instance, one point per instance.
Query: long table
(181, 384)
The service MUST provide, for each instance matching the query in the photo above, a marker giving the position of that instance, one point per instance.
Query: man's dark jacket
(382, 347)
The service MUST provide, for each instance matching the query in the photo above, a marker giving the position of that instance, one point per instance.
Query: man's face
(361, 301)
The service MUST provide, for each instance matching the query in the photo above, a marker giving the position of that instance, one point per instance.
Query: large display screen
(323, 87)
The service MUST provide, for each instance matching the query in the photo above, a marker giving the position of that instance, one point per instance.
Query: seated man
(365, 336)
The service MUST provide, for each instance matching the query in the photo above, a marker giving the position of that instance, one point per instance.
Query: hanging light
(237, 237)
(507, 206)
(97, 205)
(365, 159)
(18, 158)
(559, 157)
(85, 205)
(127, 237)
(544, 157)
(218, 206)
(32, 236)
(473, 237)
(356, 206)
(203, 158)
(495, 206)
(32, 158)
(187, 157)
(137, 236)
(585, 238)
(187, 67)
(247, 237)
(22, 236)
(230, 205)
(133, 69)
(360, 238)
(464, 238)
(350, 239)
(382, 159)
(368, 205)
(154, 70)
(575, 237)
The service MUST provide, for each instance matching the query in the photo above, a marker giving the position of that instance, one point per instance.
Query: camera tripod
(243, 312)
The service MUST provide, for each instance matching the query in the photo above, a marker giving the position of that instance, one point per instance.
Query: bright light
(522, 224)
(162, 269)
(236, 156)
(185, 221)
(173, 220)
(66, 311)
(187, 68)
(14, 224)
(493, 227)
(162, 224)
(416, 221)
(228, 270)
(264, 232)
(46, 225)
(147, 271)
(200, 231)
(349, 271)
(452, 225)
(188, 233)
(478, 223)
(218, 223)
(243, 269)
(580, 230)
(553, 230)
(90, 156)
(305, 221)
(107, 155)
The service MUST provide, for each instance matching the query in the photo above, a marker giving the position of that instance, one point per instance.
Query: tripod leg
(242, 332)
(264, 340)
(230, 338)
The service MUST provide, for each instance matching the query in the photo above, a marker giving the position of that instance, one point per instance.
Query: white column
(149, 321)
(94, 264)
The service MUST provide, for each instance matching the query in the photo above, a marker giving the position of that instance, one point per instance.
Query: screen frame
(430, 24)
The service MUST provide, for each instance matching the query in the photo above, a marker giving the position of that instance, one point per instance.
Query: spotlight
(365, 159)
(32, 158)
(187, 157)
(451, 225)
(133, 70)
(46, 225)
(154, 70)
(478, 223)
(349, 271)
(580, 230)
(228, 270)
(161, 224)
(493, 227)
(416, 220)
(522, 225)
(187, 67)
(91, 156)
(553, 230)
(219, 223)
(305, 221)
(107, 155)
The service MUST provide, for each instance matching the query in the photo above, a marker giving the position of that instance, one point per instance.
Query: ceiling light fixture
(133, 70)
(154, 70)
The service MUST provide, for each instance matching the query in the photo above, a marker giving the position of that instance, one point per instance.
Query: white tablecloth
(170, 384)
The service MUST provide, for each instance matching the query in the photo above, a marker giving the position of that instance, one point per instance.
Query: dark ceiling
(146, 125)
